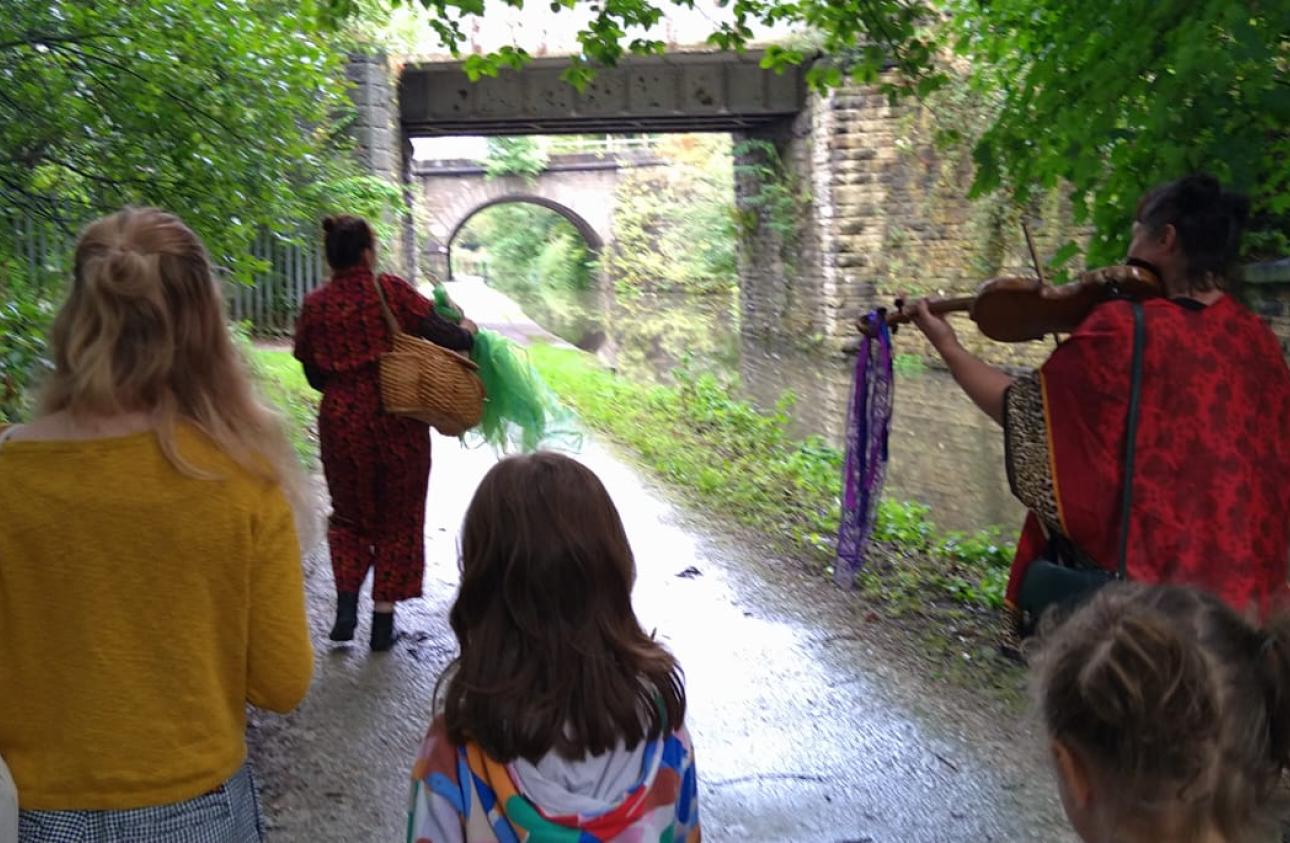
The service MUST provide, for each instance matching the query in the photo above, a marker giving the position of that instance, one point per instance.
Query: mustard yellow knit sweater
(140, 610)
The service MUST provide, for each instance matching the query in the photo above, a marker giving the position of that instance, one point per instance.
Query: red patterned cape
(1211, 504)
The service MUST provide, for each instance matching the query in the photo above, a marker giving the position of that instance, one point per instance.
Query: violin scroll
(898, 315)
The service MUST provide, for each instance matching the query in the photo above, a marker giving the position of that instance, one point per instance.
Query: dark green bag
(1067, 576)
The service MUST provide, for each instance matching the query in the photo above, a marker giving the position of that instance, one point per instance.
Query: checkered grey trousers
(228, 814)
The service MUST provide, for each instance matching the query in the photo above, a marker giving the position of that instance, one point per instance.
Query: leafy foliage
(1113, 97)
(674, 224)
(225, 111)
(868, 35)
(514, 156)
(24, 318)
(969, 568)
(378, 201)
(563, 262)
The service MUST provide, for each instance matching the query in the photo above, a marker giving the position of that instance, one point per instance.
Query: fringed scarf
(868, 423)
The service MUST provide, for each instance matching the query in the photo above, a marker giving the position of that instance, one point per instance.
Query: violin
(1019, 309)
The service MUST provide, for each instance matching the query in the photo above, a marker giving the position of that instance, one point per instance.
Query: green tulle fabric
(520, 412)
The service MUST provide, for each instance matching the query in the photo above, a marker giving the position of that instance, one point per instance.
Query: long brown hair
(552, 655)
(1180, 706)
(143, 331)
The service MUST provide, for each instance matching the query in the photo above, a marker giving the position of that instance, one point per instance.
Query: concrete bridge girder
(702, 91)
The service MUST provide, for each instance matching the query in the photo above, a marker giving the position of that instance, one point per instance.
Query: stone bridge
(873, 201)
(877, 208)
(580, 187)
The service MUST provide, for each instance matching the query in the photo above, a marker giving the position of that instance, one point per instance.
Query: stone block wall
(375, 127)
(887, 214)
(782, 287)
(379, 141)
(1265, 288)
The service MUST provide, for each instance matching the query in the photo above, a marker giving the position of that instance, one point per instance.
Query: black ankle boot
(346, 617)
(383, 633)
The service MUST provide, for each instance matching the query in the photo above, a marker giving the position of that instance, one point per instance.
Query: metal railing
(601, 145)
(38, 256)
(271, 303)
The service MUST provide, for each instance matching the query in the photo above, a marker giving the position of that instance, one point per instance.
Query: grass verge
(283, 382)
(730, 458)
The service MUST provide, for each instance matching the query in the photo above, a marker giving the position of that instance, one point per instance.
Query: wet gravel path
(807, 728)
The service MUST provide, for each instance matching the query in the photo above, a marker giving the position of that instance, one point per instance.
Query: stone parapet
(1265, 289)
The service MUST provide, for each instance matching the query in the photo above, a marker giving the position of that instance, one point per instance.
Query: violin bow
(1039, 268)
(1034, 256)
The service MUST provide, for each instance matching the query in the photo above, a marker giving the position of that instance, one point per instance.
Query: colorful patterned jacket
(459, 795)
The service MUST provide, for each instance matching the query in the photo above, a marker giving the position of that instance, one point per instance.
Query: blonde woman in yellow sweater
(150, 571)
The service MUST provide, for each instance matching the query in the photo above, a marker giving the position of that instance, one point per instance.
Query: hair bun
(1199, 191)
(1127, 684)
(346, 238)
(120, 273)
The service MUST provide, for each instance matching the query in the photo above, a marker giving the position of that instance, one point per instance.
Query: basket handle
(390, 321)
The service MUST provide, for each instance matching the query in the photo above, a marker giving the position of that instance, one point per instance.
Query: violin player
(1206, 451)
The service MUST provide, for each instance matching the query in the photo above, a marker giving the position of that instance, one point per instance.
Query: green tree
(514, 156)
(1112, 97)
(228, 112)
(674, 224)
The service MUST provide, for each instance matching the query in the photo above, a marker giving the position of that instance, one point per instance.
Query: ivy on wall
(772, 198)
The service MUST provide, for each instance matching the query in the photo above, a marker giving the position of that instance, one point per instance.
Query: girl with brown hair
(150, 576)
(560, 714)
(377, 465)
(1168, 716)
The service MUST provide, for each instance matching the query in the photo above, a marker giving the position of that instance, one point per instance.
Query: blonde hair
(1179, 703)
(143, 330)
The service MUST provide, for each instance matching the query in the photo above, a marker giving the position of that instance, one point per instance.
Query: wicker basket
(427, 382)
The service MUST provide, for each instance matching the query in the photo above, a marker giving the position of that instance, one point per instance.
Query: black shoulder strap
(1131, 436)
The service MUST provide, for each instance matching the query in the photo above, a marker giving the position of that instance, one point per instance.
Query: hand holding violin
(937, 329)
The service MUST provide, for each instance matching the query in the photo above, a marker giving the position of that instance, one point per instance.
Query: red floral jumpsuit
(377, 465)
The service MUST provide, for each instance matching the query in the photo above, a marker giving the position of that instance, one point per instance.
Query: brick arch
(595, 242)
(451, 192)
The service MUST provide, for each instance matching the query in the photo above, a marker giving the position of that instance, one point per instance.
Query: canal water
(944, 451)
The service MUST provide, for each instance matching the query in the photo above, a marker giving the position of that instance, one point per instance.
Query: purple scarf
(868, 423)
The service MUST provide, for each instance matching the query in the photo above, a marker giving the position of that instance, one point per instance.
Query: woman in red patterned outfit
(1211, 499)
(377, 465)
